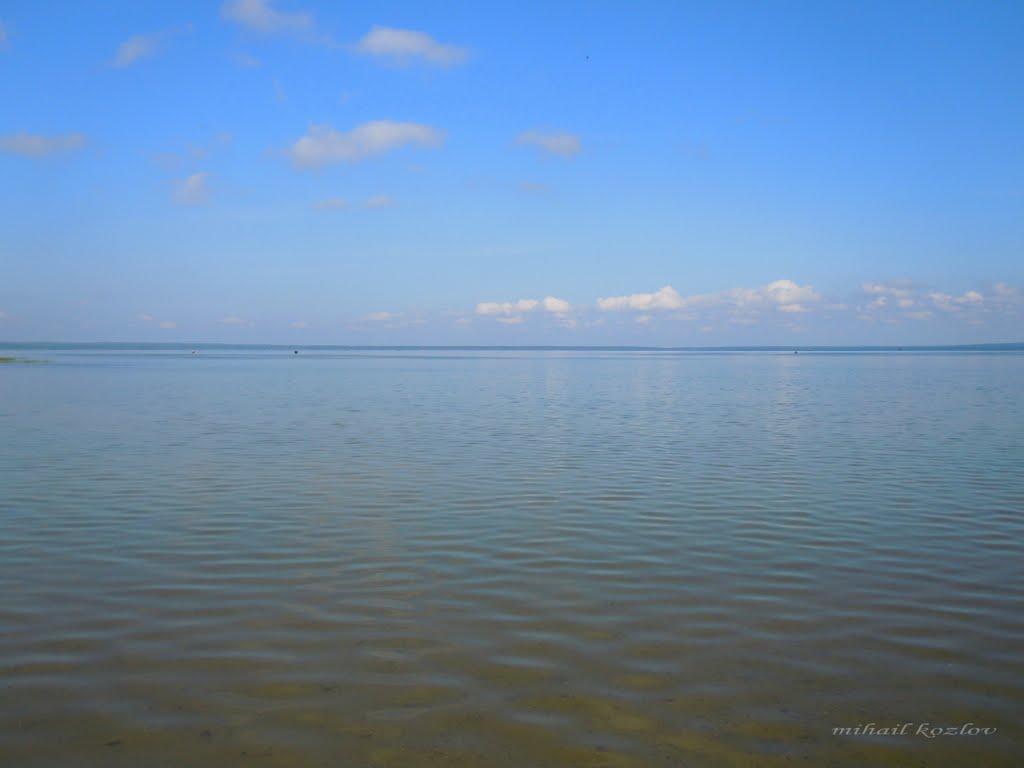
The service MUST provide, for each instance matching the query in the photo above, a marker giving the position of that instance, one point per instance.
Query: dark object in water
(795, 352)
(296, 351)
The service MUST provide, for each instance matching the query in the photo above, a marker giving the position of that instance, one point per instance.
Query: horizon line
(619, 347)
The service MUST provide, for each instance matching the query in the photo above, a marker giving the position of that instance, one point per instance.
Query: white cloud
(901, 289)
(664, 298)
(948, 303)
(380, 201)
(506, 308)
(379, 317)
(555, 306)
(235, 321)
(167, 324)
(782, 295)
(511, 311)
(564, 144)
(36, 145)
(331, 204)
(324, 145)
(406, 44)
(144, 318)
(917, 303)
(192, 190)
(260, 16)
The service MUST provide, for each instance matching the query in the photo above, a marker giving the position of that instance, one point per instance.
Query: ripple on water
(578, 559)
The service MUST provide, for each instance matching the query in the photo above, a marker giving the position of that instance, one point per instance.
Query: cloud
(515, 320)
(192, 190)
(246, 61)
(324, 145)
(564, 144)
(331, 204)
(144, 317)
(380, 201)
(3, 35)
(406, 44)
(260, 16)
(664, 298)
(506, 308)
(891, 300)
(4, 315)
(555, 306)
(379, 317)
(280, 94)
(782, 295)
(36, 145)
(298, 324)
(1004, 291)
(234, 321)
(532, 186)
(141, 46)
(514, 309)
(135, 48)
(948, 303)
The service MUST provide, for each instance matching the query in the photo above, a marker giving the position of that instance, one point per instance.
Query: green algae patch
(20, 360)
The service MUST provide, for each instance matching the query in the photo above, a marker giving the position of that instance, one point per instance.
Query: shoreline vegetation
(20, 360)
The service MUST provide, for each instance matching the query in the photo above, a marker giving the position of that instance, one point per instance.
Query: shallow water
(492, 557)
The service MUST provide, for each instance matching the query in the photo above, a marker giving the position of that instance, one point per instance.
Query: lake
(241, 556)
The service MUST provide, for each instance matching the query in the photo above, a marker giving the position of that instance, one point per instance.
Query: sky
(648, 173)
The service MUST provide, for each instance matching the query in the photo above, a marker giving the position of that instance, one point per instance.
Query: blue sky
(667, 173)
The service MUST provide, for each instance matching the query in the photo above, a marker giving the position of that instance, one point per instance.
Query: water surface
(479, 557)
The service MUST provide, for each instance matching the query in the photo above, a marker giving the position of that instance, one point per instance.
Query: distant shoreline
(142, 345)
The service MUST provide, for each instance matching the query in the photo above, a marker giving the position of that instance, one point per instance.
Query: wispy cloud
(298, 324)
(37, 145)
(331, 204)
(564, 144)
(890, 301)
(261, 16)
(405, 44)
(144, 317)
(380, 201)
(323, 145)
(141, 46)
(235, 321)
(192, 190)
(534, 187)
(3, 35)
(280, 94)
(245, 61)
(380, 317)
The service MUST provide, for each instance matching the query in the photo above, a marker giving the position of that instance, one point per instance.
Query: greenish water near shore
(416, 557)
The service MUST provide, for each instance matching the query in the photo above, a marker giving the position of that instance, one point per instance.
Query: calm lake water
(246, 557)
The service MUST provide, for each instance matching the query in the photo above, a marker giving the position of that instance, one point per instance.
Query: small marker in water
(296, 351)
